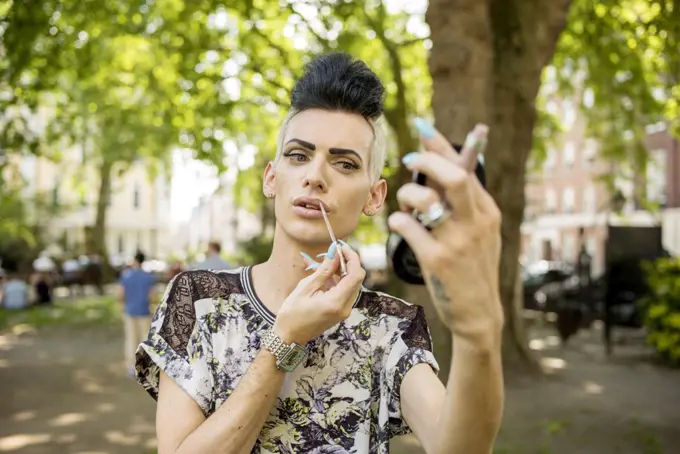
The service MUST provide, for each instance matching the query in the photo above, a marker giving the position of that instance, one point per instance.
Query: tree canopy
(136, 78)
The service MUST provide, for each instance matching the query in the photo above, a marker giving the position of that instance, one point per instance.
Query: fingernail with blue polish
(331, 251)
(410, 157)
(307, 256)
(313, 266)
(344, 244)
(424, 128)
(322, 255)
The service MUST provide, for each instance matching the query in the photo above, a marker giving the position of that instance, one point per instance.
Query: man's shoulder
(194, 294)
(395, 319)
(202, 284)
(377, 304)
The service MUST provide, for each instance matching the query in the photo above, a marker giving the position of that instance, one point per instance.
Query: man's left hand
(460, 255)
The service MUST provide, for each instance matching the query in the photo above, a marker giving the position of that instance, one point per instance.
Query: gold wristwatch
(288, 356)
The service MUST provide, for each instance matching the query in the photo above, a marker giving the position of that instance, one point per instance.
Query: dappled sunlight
(7, 341)
(105, 407)
(67, 360)
(88, 382)
(66, 438)
(120, 437)
(68, 419)
(552, 365)
(116, 367)
(23, 328)
(19, 441)
(593, 388)
(24, 416)
(141, 426)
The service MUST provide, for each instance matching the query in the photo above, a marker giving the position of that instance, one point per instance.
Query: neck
(286, 265)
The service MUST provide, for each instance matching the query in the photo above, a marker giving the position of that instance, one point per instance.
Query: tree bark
(397, 118)
(103, 196)
(486, 63)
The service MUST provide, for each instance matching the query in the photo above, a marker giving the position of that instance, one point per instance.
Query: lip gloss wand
(343, 265)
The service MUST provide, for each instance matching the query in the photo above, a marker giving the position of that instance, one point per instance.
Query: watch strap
(275, 345)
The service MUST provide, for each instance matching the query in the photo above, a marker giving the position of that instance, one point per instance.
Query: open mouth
(309, 206)
(309, 203)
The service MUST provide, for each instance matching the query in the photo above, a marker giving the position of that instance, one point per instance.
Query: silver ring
(435, 215)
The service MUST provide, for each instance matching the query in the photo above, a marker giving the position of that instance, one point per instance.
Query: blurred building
(567, 194)
(138, 216)
(217, 218)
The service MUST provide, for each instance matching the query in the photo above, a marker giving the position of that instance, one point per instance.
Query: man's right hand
(320, 300)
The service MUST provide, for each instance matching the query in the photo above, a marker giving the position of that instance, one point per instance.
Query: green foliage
(135, 78)
(620, 59)
(22, 219)
(13, 216)
(662, 308)
(255, 250)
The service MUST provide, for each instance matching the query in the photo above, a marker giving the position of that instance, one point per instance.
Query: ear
(268, 182)
(376, 198)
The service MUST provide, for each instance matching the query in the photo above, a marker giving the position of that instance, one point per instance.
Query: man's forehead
(327, 129)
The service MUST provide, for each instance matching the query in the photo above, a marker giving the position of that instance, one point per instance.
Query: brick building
(566, 196)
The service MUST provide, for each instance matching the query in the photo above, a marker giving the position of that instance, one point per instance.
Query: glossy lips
(308, 207)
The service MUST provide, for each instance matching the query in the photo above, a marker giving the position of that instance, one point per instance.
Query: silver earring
(269, 195)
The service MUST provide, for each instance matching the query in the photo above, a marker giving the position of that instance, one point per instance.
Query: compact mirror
(400, 255)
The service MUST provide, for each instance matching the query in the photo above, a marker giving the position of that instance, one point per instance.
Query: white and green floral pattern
(343, 399)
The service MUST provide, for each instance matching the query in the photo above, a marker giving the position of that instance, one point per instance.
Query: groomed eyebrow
(333, 151)
(304, 143)
(345, 151)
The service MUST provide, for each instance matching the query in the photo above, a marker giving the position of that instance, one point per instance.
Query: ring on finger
(435, 215)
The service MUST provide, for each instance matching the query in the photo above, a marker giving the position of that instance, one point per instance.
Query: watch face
(293, 357)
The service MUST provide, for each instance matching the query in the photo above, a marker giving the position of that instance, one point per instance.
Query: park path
(64, 391)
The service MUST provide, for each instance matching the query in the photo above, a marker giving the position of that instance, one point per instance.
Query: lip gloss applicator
(343, 265)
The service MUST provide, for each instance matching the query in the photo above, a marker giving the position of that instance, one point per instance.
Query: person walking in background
(135, 292)
(212, 261)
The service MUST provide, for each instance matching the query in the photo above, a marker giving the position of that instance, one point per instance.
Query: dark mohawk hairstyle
(336, 81)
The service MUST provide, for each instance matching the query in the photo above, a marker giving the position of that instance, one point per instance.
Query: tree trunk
(397, 118)
(486, 63)
(103, 196)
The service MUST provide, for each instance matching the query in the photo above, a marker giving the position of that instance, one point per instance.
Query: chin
(306, 231)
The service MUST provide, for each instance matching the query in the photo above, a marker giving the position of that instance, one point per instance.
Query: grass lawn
(82, 312)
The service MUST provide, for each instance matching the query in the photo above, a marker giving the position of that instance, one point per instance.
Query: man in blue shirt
(136, 292)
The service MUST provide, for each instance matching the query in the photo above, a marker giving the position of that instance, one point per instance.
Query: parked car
(543, 278)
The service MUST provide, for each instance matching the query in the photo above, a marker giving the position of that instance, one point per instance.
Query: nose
(314, 177)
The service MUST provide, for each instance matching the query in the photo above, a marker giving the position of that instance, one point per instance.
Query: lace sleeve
(178, 344)
(411, 344)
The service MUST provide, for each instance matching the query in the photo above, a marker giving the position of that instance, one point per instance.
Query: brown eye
(348, 165)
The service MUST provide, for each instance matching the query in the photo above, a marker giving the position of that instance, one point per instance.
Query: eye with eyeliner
(300, 155)
(295, 154)
(348, 165)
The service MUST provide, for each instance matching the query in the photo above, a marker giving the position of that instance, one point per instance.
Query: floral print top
(343, 399)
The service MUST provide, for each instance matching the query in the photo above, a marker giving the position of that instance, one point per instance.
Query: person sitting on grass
(14, 290)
